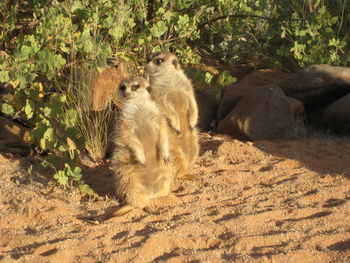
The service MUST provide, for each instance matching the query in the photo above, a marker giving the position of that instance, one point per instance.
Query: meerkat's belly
(154, 178)
(187, 138)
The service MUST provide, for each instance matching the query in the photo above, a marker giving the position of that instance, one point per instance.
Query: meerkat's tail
(121, 211)
(113, 213)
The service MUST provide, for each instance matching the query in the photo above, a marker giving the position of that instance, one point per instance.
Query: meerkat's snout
(127, 89)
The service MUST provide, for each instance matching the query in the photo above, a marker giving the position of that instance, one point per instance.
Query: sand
(267, 201)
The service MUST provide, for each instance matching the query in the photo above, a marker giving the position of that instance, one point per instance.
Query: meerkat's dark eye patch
(135, 87)
(158, 61)
(122, 88)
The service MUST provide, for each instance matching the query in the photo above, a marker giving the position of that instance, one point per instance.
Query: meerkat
(141, 157)
(174, 95)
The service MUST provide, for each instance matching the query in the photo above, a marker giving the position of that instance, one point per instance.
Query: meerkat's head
(162, 63)
(131, 87)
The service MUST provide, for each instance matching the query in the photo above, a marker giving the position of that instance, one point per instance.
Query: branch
(30, 25)
(204, 67)
(242, 16)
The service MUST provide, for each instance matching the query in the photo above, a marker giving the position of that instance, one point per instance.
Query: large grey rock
(251, 82)
(263, 114)
(317, 85)
(337, 115)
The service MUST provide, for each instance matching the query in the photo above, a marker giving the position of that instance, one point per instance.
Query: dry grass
(93, 126)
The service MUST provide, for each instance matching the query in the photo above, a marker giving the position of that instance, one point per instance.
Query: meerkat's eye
(122, 88)
(135, 87)
(158, 61)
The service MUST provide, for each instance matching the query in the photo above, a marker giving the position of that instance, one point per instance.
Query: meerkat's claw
(166, 159)
(143, 164)
(177, 131)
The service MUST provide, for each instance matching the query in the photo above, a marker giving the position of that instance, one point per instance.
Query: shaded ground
(269, 201)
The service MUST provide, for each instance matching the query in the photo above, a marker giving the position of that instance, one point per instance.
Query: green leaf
(158, 29)
(77, 170)
(7, 109)
(183, 20)
(39, 130)
(4, 76)
(226, 79)
(86, 189)
(208, 77)
(62, 148)
(24, 53)
(116, 32)
(61, 177)
(55, 105)
(70, 118)
(29, 108)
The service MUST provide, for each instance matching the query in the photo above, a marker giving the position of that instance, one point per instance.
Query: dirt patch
(267, 201)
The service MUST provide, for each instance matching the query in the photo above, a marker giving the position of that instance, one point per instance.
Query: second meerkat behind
(140, 160)
(174, 95)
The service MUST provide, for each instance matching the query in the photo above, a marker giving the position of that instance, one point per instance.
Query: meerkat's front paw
(175, 125)
(193, 122)
(176, 128)
(140, 158)
(166, 157)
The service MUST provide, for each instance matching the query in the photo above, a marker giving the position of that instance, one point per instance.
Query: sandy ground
(268, 201)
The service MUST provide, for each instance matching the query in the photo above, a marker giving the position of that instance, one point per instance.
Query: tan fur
(140, 160)
(174, 95)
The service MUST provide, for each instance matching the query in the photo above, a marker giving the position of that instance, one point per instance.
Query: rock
(232, 94)
(317, 85)
(13, 137)
(264, 114)
(337, 114)
(207, 106)
(106, 85)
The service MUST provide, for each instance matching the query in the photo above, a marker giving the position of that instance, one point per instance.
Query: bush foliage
(42, 42)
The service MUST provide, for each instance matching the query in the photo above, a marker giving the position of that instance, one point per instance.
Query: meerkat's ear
(176, 64)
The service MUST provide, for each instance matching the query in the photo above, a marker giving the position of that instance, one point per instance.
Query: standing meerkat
(174, 95)
(140, 160)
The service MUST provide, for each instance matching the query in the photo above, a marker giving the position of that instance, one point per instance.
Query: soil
(267, 201)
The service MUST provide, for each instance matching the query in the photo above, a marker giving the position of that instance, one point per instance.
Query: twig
(204, 67)
(241, 16)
